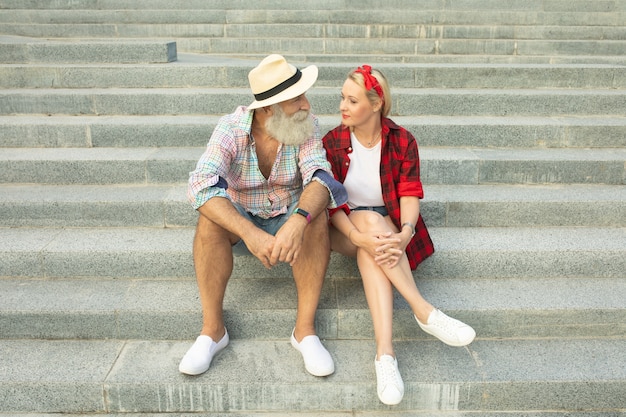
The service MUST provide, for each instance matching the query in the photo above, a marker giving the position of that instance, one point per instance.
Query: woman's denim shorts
(378, 209)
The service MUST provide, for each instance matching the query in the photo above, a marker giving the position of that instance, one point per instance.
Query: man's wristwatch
(411, 226)
(304, 213)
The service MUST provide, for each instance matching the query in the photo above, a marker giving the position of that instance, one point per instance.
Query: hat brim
(309, 76)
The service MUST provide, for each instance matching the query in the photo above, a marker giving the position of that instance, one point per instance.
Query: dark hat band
(280, 87)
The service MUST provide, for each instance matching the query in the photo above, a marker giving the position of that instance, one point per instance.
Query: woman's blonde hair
(372, 94)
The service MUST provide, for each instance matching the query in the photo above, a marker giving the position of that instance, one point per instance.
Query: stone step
(324, 100)
(192, 70)
(265, 308)
(274, 28)
(412, 15)
(194, 131)
(27, 205)
(406, 47)
(461, 166)
(247, 413)
(571, 59)
(518, 110)
(136, 376)
(593, 252)
(211, 43)
(28, 50)
(430, 5)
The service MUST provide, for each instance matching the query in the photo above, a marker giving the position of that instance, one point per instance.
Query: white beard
(289, 130)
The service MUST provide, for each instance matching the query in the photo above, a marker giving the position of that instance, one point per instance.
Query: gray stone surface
(210, 71)
(554, 15)
(406, 39)
(95, 206)
(142, 376)
(194, 131)
(453, 165)
(151, 205)
(262, 309)
(87, 51)
(461, 253)
(422, 102)
(535, 6)
(350, 413)
(523, 205)
(519, 113)
(536, 252)
(55, 375)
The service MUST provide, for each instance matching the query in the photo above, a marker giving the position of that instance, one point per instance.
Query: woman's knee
(370, 220)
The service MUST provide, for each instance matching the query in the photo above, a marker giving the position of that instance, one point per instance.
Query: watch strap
(304, 213)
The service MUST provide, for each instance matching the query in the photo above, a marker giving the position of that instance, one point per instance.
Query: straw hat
(274, 80)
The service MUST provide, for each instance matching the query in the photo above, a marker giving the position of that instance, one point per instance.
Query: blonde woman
(378, 163)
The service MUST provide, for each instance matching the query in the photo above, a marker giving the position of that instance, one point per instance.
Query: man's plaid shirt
(231, 155)
(399, 177)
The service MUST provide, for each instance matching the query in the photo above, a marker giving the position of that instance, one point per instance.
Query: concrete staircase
(519, 110)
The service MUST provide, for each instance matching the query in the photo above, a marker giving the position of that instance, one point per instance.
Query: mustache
(300, 115)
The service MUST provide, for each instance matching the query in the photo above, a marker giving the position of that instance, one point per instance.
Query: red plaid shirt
(399, 177)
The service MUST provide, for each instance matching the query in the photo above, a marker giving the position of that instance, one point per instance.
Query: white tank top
(363, 178)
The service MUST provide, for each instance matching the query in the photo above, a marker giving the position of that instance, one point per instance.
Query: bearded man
(262, 187)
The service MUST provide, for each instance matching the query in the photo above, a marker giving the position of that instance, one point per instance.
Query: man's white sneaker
(199, 356)
(389, 383)
(450, 331)
(317, 360)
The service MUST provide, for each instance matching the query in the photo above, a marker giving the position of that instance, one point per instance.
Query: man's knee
(316, 235)
(319, 225)
(207, 230)
(203, 227)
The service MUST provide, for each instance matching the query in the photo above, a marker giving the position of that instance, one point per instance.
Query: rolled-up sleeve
(409, 183)
(213, 164)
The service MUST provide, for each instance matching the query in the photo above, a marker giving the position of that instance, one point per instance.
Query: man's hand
(260, 244)
(288, 240)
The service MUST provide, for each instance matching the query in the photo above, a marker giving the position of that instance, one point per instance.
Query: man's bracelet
(304, 213)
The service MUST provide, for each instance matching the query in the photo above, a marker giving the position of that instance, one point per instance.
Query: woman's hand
(390, 252)
(384, 247)
(393, 246)
(402, 238)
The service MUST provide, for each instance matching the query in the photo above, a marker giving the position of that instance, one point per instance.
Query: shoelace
(389, 372)
(446, 324)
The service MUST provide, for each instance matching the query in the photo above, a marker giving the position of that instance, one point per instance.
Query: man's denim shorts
(271, 225)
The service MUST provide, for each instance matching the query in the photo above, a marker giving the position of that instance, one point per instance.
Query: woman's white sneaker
(450, 331)
(389, 383)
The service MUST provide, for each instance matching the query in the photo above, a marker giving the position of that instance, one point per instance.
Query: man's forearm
(222, 212)
(314, 198)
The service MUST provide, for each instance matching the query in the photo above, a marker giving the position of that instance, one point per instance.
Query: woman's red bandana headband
(370, 80)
